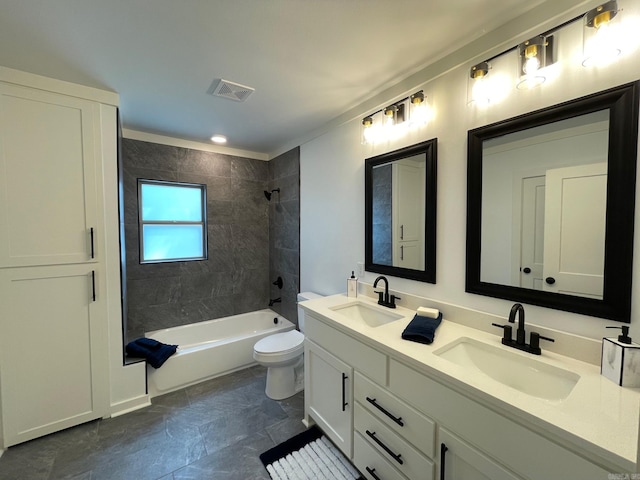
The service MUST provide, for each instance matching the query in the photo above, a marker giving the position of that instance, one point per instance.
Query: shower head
(268, 193)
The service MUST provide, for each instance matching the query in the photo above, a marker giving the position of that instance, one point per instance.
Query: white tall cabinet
(54, 335)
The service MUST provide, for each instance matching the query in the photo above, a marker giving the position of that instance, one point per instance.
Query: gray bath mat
(308, 455)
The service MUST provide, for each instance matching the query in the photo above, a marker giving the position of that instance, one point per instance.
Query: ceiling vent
(232, 91)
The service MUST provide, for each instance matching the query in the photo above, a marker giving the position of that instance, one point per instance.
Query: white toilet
(282, 353)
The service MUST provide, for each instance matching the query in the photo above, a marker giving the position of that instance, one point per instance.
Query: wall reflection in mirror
(550, 205)
(400, 212)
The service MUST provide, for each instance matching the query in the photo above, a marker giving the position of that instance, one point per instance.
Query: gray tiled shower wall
(250, 240)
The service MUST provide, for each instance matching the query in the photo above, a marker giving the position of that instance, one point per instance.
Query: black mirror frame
(622, 103)
(428, 275)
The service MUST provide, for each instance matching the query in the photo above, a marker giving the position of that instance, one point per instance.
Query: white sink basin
(371, 315)
(525, 374)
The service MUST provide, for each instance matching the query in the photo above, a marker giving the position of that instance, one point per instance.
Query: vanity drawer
(416, 428)
(358, 355)
(370, 462)
(392, 447)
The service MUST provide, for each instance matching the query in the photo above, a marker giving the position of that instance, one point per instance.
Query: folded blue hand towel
(155, 352)
(422, 329)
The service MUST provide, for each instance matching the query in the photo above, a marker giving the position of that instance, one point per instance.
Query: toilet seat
(280, 343)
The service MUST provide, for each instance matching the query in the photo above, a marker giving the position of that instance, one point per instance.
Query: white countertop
(598, 417)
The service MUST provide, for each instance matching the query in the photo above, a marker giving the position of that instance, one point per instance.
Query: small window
(172, 219)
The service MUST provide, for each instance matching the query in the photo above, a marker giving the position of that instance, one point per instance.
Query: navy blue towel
(155, 352)
(422, 329)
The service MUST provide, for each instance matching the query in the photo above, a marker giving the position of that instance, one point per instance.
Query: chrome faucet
(520, 342)
(384, 298)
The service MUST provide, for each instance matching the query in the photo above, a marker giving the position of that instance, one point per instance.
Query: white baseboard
(130, 405)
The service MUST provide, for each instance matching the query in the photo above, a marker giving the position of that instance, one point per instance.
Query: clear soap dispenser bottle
(352, 286)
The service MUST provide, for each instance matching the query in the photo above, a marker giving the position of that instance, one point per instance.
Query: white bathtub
(211, 348)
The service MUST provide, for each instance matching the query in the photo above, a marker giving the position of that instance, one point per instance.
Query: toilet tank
(302, 296)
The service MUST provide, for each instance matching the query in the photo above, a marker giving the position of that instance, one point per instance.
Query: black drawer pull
(91, 234)
(398, 420)
(344, 392)
(371, 472)
(396, 457)
(443, 451)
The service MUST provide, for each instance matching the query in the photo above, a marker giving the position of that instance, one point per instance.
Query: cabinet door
(460, 461)
(48, 191)
(53, 350)
(328, 395)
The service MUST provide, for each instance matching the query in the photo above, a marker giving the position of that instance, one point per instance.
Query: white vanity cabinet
(397, 431)
(330, 358)
(484, 433)
(459, 460)
(407, 424)
(328, 395)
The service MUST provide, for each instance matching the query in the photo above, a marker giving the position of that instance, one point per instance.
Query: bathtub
(211, 348)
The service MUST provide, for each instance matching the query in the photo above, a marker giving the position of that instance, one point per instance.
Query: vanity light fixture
(391, 122)
(220, 139)
(478, 84)
(533, 55)
(601, 41)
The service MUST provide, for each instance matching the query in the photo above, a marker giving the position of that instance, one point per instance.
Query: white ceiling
(308, 60)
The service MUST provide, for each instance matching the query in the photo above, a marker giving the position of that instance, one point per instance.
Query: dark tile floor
(213, 430)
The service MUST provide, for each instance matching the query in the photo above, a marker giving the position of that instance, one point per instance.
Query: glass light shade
(372, 130)
(532, 59)
(419, 110)
(601, 35)
(478, 85)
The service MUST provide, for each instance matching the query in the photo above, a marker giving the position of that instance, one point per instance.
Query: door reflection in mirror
(398, 214)
(544, 205)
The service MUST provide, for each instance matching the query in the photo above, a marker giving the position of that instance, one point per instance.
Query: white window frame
(141, 223)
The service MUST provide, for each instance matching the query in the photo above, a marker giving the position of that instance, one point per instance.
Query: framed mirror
(400, 212)
(550, 205)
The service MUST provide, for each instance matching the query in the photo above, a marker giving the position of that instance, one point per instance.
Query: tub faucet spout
(274, 300)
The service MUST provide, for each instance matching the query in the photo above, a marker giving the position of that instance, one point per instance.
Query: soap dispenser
(621, 359)
(352, 286)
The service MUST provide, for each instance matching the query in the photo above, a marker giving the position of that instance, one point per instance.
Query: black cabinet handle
(93, 285)
(344, 392)
(395, 456)
(443, 451)
(398, 420)
(371, 472)
(526, 270)
(550, 280)
(91, 234)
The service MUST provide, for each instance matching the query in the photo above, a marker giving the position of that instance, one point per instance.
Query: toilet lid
(280, 342)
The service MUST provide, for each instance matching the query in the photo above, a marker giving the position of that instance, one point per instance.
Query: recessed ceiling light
(219, 139)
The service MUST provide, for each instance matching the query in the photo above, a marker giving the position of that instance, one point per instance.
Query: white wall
(332, 174)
